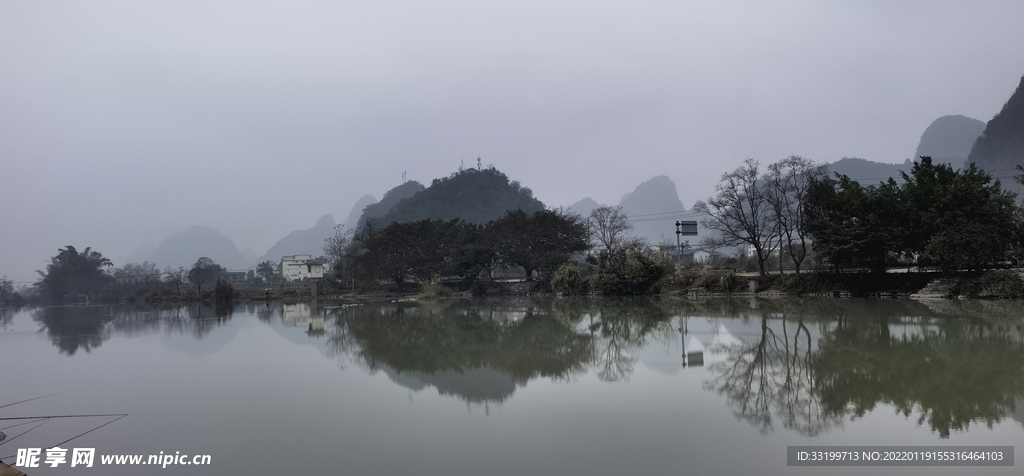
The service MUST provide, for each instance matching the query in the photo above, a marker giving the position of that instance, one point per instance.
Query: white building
(296, 267)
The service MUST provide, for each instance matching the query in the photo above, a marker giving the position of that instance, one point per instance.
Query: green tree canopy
(71, 272)
(957, 219)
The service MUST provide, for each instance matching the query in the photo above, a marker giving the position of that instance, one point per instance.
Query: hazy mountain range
(185, 247)
(652, 207)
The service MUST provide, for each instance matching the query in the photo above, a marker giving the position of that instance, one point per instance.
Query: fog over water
(124, 122)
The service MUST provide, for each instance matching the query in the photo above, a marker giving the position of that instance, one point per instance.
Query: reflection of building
(296, 267)
(299, 314)
(316, 327)
(294, 315)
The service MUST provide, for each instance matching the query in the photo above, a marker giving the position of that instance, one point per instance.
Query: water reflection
(807, 366)
(772, 377)
(951, 374)
(86, 328)
(948, 372)
(477, 353)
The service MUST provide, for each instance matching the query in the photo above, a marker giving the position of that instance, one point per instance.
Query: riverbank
(993, 284)
(684, 282)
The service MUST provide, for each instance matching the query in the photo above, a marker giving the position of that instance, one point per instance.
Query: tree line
(72, 273)
(954, 219)
(430, 250)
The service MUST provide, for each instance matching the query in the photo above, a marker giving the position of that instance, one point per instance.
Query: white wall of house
(296, 267)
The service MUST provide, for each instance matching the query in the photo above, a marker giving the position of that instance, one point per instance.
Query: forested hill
(391, 198)
(474, 195)
(1001, 146)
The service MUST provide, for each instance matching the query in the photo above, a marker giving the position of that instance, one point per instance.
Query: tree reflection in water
(773, 378)
(950, 372)
(479, 353)
(619, 329)
(483, 351)
(86, 328)
(808, 366)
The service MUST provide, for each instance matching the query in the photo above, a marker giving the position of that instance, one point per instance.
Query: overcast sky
(123, 122)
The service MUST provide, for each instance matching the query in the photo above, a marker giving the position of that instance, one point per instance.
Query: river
(514, 386)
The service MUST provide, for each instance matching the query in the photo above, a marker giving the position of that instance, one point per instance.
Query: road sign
(686, 228)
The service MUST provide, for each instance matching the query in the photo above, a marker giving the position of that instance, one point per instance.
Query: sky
(124, 122)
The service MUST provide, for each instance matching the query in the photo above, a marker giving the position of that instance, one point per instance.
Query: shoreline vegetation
(684, 283)
(835, 236)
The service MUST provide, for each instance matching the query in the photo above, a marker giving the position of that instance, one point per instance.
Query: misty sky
(124, 122)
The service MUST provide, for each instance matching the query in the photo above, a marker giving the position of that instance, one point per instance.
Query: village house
(236, 278)
(298, 267)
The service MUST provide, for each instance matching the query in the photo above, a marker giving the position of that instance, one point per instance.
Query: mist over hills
(868, 172)
(352, 220)
(185, 247)
(473, 195)
(655, 196)
(250, 254)
(481, 195)
(144, 253)
(1001, 145)
(949, 139)
(309, 241)
(584, 207)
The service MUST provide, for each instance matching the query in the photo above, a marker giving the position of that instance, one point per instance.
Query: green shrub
(703, 279)
(995, 284)
(631, 270)
(568, 280)
(433, 290)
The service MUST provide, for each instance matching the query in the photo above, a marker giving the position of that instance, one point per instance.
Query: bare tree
(787, 182)
(336, 249)
(176, 277)
(608, 225)
(740, 211)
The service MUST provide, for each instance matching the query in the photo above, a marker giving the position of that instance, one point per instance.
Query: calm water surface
(516, 386)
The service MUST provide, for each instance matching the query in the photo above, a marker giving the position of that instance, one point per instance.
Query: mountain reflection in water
(805, 365)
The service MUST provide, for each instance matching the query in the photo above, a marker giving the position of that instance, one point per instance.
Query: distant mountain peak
(658, 192)
(325, 221)
(185, 247)
(584, 207)
(949, 139)
(657, 201)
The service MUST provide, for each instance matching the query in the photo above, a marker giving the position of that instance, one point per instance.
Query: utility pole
(679, 246)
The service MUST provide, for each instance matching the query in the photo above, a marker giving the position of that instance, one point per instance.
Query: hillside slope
(474, 195)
